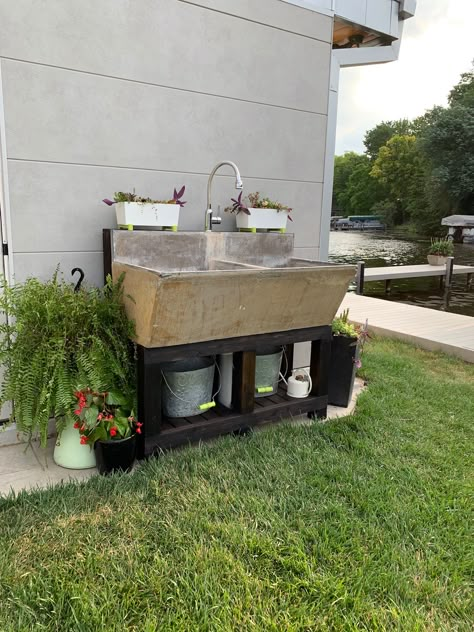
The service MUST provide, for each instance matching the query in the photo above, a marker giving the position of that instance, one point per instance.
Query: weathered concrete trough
(194, 286)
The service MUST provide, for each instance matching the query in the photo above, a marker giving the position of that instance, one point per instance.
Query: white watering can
(299, 383)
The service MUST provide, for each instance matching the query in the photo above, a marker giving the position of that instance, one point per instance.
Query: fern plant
(56, 341)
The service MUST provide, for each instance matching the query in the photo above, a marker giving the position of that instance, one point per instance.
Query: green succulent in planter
(122, 196)
(342, 327)
(441, 248)
(254, 200)
(55, 338)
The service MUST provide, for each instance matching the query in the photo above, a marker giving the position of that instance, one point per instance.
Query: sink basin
(192, 287)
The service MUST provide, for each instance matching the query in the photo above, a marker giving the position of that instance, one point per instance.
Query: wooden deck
(427, 328)
(412, 272)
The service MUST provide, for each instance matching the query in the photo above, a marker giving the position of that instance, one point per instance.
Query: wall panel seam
(190, 173)
(165, 87)
(57, 252)
(270, 26)
(6, 229)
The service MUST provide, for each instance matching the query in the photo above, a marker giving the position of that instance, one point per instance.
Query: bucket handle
(287, 366)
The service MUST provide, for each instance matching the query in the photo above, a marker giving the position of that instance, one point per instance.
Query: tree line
(413, 172)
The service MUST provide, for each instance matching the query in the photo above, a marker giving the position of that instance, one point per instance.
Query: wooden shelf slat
(229, 421)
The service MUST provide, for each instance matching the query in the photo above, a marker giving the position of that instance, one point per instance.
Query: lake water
(384, 249)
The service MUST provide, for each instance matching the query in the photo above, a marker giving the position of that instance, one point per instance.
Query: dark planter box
(113, 456)
(342, 370)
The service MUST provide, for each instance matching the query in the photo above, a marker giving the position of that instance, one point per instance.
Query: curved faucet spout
(209, 220)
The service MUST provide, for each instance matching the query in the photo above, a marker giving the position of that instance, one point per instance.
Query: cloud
(436, 48)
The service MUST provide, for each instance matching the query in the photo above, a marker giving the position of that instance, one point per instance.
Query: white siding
(152, 94)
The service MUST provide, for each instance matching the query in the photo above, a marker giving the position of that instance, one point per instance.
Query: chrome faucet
(209, 219)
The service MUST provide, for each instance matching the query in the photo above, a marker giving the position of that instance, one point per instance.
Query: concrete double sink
(196, 286)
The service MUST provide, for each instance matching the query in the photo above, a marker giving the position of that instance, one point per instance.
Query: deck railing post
(360, 277)
(449, 271)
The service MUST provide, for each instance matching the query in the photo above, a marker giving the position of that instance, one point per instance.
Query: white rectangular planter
(146, 214)
(268, 218)
(437, 260)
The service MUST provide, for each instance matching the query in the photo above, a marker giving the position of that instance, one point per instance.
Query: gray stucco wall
(151, 94)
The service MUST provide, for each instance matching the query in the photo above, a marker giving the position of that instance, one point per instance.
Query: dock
(426, 328)
(389, 273)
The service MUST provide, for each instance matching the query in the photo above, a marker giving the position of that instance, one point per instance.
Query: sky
(437, 46)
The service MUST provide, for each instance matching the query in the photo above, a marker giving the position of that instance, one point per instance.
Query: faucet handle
(218, 218)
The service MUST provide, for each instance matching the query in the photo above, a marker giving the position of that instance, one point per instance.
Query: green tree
(356, 192)
(449, 144)
(463, 92)
(379, 135)
(343, 167)
(401, 167)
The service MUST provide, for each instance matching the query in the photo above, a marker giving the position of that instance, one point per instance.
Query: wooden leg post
(319, 371)
(449, 271)
(107, 247)
(468, 281)
(149, 397)
(388, 286)
(360, 277)
(243, 383)
(289, 352)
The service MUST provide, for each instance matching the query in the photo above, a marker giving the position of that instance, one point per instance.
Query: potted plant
(106, 423)
(439, 251)
(259, 212)
(55, 337)
(134, 210)
(346, 350)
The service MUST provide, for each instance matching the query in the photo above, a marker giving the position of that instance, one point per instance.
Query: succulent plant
(441, 247)
(253, 200)
(120, 196)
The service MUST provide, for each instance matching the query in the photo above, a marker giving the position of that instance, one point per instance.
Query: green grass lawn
(360, 523)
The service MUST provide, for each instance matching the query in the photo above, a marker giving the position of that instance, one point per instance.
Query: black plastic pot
(116, 456)
(342, 370)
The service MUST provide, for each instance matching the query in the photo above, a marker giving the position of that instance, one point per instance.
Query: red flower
(77, 412)
(100, 417)
(138, 430)
(77, 425)
(113, 431)
(138, 424)
(83, 439)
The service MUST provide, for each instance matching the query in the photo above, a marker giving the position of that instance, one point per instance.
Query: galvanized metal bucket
(267, 370)
(187, 385)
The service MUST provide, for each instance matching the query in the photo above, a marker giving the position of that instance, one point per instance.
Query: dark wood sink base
(163, 433)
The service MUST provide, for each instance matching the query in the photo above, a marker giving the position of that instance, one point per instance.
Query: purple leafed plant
(178, 195)
(238, 206)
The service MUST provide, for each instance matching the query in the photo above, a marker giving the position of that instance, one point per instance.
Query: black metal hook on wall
(77, 287)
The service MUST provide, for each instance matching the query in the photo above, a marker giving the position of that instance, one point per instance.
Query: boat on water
(461, 228)
(357, 222)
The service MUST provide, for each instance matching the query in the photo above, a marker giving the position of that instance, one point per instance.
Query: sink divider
(235, 265)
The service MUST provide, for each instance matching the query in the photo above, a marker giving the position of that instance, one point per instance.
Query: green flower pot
(69, 453)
